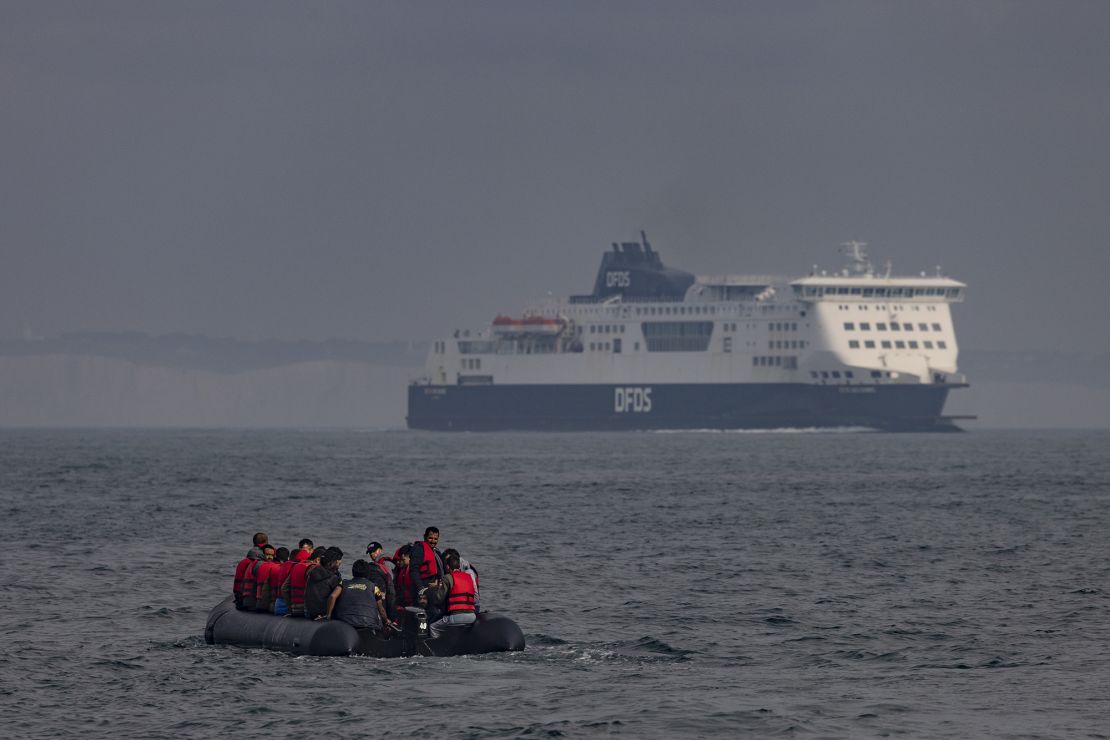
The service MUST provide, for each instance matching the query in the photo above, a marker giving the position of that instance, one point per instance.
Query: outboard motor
(414, 628)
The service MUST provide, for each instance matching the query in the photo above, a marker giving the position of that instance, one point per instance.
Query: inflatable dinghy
(490, 633)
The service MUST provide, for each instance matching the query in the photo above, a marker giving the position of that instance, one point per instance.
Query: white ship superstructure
(648, 331)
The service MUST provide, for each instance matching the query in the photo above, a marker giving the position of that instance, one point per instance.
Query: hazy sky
(391, 170)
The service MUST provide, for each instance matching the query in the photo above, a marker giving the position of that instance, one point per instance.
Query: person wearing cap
(377, 556)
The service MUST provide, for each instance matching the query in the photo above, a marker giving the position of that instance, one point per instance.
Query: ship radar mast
(856, 253)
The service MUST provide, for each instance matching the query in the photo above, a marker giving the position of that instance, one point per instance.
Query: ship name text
(632, 399)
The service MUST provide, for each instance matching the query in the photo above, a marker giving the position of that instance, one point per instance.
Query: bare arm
(331, 600)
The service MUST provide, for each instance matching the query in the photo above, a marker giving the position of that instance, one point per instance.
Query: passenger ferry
(653, 347)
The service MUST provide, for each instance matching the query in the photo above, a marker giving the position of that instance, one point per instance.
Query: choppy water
(819, 585)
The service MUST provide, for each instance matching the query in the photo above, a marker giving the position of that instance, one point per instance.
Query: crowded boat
(305, 583)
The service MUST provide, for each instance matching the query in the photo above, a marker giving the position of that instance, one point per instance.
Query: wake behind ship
(657, 348)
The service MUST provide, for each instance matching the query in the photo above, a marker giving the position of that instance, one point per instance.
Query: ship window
(899, 344)
(636, 346)
(848, 374)
(825, 374)
(868, 292)
(928, 344)
(886, 344)
(755, 361)
(923, 327)
(876, 373)
(855, 291)
(936, 327)
(907, 327)
(606, 346)
(913, 345)
(849, 326)
(814, 373)
(864, 326)
(869, 344)
(836, 373)
(727, 344)
(894, 326)
(953, 292)
(778, 361)
(853, 344)
(942, 345)
(677, 336)
(880, 326)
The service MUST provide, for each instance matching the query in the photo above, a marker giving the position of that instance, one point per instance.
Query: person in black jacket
(361, 604)
(323, 586)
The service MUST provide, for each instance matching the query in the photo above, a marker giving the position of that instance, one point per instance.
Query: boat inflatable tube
(490, 633)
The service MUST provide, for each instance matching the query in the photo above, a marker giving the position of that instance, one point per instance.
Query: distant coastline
(135, 379)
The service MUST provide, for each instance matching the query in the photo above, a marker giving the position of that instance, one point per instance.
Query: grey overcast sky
(392, 170)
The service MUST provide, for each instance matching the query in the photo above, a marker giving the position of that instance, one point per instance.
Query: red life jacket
(250, 584)
(240, 572)
(385, 569)
(429, 566)
(298, 577)
(263, 592)
(402, 582)
(278, 575)
(461, 596)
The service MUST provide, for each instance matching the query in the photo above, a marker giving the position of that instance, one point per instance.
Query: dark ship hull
(601, 407)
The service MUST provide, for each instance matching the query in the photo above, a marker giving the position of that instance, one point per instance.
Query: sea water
(789, 584)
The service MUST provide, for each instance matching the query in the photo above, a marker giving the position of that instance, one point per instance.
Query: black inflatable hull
(227, 625)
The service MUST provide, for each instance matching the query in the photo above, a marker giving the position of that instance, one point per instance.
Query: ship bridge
(867, 287)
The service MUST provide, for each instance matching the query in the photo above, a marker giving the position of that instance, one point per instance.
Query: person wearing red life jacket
(254, 554)
(402, 580)
(240, 571)
(278, 574)
(292, 590)
(460, 597)
(250, 578)
(374, 550)
(426, 562)
(263, 594)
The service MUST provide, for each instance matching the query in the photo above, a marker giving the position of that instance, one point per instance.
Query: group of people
(307, 583)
